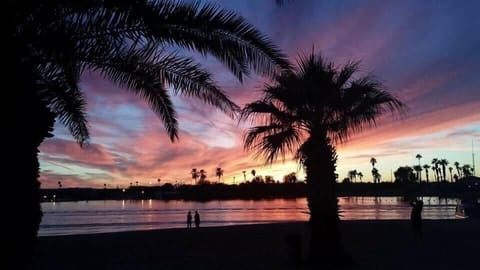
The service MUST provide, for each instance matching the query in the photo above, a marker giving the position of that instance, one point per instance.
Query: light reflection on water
(85, 217)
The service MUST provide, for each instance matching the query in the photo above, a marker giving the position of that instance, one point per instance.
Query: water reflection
(82, 217)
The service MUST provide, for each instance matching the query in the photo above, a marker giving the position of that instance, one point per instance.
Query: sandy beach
(446, 244)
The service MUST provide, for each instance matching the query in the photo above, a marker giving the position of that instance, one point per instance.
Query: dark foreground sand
(453, 244)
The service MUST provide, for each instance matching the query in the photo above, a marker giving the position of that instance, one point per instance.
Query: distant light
(143, 191)
(44, 196)
(123, 190)
(54, 196)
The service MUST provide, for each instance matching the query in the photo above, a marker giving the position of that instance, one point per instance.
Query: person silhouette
(189, 219)
(197, 219)
(416, 216)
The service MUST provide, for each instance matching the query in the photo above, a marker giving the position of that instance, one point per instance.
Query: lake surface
(86, 217)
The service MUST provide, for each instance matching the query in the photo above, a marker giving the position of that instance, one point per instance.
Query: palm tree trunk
(325, 243)
(27, 122)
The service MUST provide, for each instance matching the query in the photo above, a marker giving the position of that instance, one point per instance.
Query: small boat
(468, 209)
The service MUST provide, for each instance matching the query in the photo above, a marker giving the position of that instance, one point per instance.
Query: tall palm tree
(129, 45)
(467, 170)
(419, 157)
(203, 176)
(253, 172)
(360, 175)
(306, 112)
(376, 175)
(373, 161)
(219, 173)
(426, 167)
(435, 163)
(450, 169)
(195, 174)
(244, 176)
(352, 175)
(457, 166)
(418, 169)
(444, 163)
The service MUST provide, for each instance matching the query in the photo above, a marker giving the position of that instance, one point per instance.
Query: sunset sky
(426, 52)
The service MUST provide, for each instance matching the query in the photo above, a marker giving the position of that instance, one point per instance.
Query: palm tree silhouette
(376, 176)
(426, 167)
(195, 175)
(203, 176)
(457, 166)
(360, 175)
(466, 170)
(352, 175)
(130, 45)
(253, 172)
(418, 169)
(305, 112)
(444, 163)
(373, 161)
(244, 176)
(450, 169)
(419, 157)
(219, 173)
(59, 184)
(435, 163)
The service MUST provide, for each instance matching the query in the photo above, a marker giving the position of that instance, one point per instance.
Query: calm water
(64, 218)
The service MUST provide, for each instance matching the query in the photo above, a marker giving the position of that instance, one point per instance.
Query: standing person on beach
(189, 219)
(197, 220)
(416, 216)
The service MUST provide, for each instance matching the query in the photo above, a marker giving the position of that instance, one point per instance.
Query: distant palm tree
(219, 173)
(418, 169)
(360, 175)
(426, 167)
(457, 166)
(419, 157)
(131, 45)
(467, 170)
(195, 175)
(136, 183)
(244, 176)
(59, 184)
(352, 175)
(253, 172)
(373, 161)
(435, 163)
(451, 174)
(203, 176)
(376, 175)
(444, 163)
(306, 112)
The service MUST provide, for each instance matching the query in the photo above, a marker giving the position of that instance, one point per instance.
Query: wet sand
(446, 244)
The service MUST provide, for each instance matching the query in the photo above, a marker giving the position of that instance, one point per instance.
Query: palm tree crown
(315, 98)
(131, 46)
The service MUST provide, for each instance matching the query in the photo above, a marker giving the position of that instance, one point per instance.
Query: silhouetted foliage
(269, 179)
(128, 45)
(290, 178)
(305, 112)
(405, 174)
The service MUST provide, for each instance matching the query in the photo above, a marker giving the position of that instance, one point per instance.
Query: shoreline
(374, 244)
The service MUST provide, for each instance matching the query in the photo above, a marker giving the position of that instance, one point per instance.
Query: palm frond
(209, 29)
(68, 104)
(272, 141)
